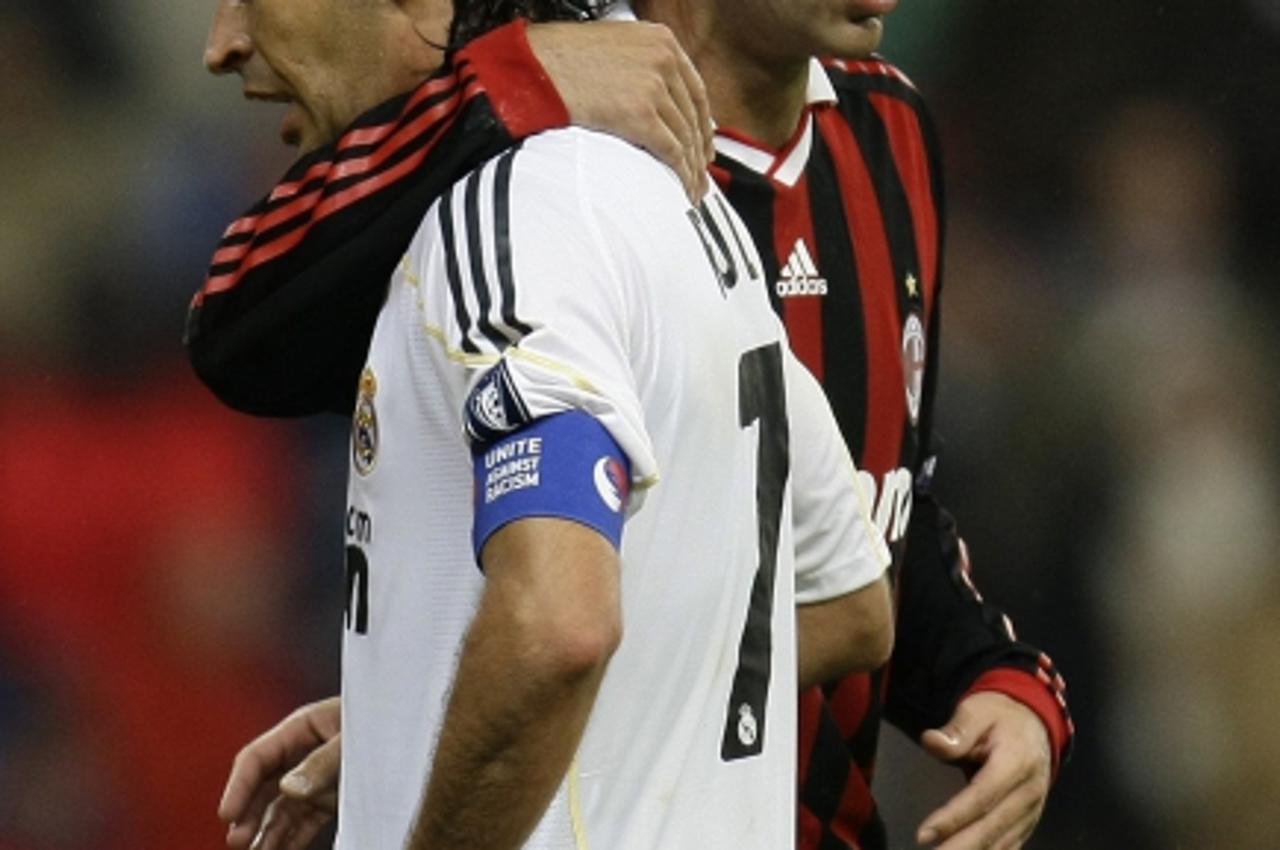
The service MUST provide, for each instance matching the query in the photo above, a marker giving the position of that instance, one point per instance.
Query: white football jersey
(577, 262)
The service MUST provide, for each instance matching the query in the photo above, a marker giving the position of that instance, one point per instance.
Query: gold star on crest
(912, 285)
(368, 383)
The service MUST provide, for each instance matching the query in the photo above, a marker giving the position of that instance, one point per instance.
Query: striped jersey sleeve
(302, 259)
(522, 287)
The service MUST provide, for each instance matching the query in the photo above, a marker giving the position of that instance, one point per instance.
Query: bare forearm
(506, 744)
(527, 679)
(852, 632)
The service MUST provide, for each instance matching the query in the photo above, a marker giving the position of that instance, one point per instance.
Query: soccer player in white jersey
(568, 346)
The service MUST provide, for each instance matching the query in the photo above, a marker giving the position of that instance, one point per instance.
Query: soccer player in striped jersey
(563, 328)
(835, 168)
(282, 324)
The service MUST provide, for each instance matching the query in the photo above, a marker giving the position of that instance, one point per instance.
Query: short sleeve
(533, 300)
(838, 549)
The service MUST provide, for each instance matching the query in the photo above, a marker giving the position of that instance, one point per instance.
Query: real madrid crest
(364, 426)
(913, 360)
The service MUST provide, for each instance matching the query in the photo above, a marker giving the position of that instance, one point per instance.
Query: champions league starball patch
(364, 425)
(913, 360)
(494, 407)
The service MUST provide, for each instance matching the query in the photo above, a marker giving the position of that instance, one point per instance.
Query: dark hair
(472, 18)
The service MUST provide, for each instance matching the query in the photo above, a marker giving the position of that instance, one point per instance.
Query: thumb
(951, 742)
(315, 775)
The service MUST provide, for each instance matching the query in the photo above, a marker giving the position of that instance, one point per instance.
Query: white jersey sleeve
(838, 549)
(533, 286)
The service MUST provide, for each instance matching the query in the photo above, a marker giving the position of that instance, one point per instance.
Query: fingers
(696, 91)
(694, 139)
(315, 779)
(959, 738)
(251, 765)
(690, 121)
(289, 825)
(946, 744)
(681, 150)
(632, 80)
(276, 826)
(307, 830)
(1007, 826)
(1018, 838)
(256, 769)
(989, 787)
(1000, 806)
(247, 819)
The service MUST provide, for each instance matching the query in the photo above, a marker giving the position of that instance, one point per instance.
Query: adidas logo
(800, 275)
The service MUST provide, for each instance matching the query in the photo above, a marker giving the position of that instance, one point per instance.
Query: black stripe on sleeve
(502, 241)
(475, 252)
(454, 274)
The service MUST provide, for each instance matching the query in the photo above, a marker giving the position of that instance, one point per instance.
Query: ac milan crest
(913, 359)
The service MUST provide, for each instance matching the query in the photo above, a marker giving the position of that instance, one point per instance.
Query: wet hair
(472, 18)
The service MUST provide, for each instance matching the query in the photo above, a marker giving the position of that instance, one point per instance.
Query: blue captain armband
(565, 466)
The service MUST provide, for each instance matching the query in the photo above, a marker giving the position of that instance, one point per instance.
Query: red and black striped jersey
(282, 323)
(848, 217)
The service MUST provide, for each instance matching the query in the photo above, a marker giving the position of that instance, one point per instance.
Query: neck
(753, 91)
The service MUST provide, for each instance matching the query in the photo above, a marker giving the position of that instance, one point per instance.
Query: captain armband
(566, 466)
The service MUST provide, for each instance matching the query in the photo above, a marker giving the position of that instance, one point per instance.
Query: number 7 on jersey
(761, 398)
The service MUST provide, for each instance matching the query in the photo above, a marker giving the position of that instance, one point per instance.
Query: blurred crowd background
(169, 571)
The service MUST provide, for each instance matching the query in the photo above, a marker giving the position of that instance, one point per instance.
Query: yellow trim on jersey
(515, 351)
(646, 483)
(455, 354)
(865, 514)
(575, 809)
(438, 333)
(579, 380)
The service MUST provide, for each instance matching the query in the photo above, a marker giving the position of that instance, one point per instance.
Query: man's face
(845, 29)
(329, 59)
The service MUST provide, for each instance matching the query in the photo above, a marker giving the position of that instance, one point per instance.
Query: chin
(859, 44)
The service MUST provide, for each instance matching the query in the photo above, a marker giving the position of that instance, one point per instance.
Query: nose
(228, 46)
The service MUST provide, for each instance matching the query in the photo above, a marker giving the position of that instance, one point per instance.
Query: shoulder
(875, 85)
(562, 181)
(857, 79)
(611, 193)
(595, 170)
